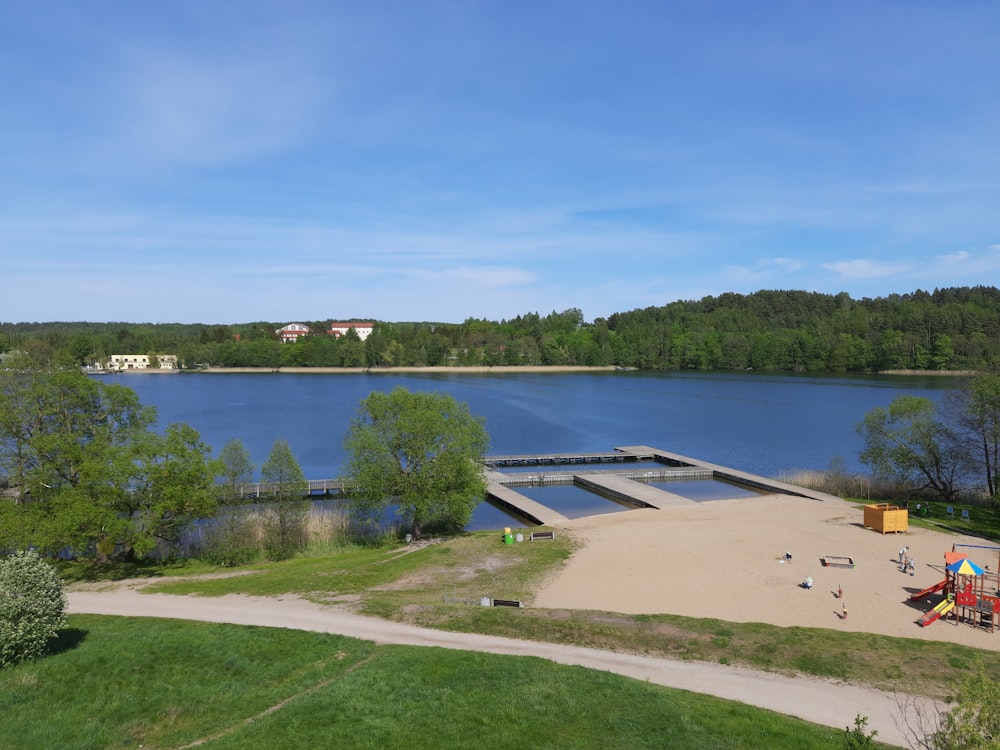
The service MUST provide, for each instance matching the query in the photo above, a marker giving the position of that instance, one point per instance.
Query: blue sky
(221, 161)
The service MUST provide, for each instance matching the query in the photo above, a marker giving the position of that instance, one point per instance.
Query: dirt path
(821, 702)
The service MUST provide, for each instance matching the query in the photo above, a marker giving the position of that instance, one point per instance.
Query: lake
(766, 424)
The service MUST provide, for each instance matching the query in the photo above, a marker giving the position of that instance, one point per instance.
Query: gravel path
(818, 701)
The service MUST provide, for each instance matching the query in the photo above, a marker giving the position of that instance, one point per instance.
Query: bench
(507, 603)
(536, 535)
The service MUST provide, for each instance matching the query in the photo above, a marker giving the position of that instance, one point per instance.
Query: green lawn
(131, 682)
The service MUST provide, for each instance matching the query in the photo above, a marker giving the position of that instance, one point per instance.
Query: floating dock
(617, 481)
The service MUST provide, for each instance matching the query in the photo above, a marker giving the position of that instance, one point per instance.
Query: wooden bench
(536, 535)
(507, 603)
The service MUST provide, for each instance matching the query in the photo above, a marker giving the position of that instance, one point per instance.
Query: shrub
(286, 528)
(32, 607)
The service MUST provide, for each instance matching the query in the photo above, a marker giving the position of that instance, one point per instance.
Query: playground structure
(971, 594)
(885, 517)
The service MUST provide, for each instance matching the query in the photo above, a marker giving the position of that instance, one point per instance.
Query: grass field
(136, 682)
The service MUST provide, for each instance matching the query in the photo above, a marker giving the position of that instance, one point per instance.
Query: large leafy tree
(421, 451)
(975, 410)
(909, 444)
(89, 472)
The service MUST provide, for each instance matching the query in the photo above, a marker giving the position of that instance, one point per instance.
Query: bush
(32, 607)
(231, 541)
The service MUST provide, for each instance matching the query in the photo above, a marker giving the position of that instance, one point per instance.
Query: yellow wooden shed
(885, 517)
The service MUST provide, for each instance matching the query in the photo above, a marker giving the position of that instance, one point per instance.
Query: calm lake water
(761, 423)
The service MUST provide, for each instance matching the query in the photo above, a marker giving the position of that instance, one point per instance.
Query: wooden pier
(606, 473)
(617, 480)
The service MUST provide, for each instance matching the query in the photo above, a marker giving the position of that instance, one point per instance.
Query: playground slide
(939, 611)
(926, 592)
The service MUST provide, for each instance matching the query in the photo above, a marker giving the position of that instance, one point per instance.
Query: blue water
(760, 423)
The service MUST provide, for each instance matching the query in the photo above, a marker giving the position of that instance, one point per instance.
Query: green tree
(286, 517)
(974, 722)
(89, 471)
(975, 409)
(422, 451)
(32, 607)
(281, 467)
(907, 443)
(237, 465)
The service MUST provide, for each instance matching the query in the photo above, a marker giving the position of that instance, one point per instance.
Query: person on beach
(808, 583)
(902, 554)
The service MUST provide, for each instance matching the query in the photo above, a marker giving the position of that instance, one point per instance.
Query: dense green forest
(947, 329)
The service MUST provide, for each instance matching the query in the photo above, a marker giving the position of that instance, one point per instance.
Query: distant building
(292, 332)
(141, 362)
(362, 329)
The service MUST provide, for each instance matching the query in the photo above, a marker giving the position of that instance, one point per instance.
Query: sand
(721, 559)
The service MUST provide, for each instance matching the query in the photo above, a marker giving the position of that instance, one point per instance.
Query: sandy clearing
(721, 559)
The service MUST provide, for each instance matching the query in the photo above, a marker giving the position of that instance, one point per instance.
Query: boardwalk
(617, 474)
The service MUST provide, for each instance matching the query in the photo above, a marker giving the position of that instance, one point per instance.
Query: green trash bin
(925, 510)
(508, 538)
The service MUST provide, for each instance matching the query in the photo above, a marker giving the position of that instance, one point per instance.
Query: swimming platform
(622, 474)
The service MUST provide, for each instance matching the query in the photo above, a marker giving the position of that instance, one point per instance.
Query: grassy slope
(131, 682)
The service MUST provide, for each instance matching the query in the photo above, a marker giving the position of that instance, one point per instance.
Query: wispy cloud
(861, 270)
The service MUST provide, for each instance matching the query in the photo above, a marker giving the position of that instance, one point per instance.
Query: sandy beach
(722, 559)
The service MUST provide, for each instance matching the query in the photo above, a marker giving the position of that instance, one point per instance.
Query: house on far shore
(362, 329)
(292, 332)
(119, 362)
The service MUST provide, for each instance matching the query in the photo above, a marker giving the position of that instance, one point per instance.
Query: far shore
(471, 370)
(475, 370)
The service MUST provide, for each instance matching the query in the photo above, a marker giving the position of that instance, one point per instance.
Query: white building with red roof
(292, 332)
(362, 329)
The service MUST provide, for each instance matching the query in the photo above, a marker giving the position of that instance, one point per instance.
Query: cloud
(204, 111)
(859, 270)
(484, 276)
(959, 256)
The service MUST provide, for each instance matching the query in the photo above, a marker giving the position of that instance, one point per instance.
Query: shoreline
(472, 370)
(477, 370)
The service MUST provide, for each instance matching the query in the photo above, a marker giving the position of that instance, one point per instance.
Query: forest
(947, 329)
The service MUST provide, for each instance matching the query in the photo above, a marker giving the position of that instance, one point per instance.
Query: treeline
(947, 329)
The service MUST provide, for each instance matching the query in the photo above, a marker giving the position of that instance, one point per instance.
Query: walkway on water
(616, 474)
(618, 480)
